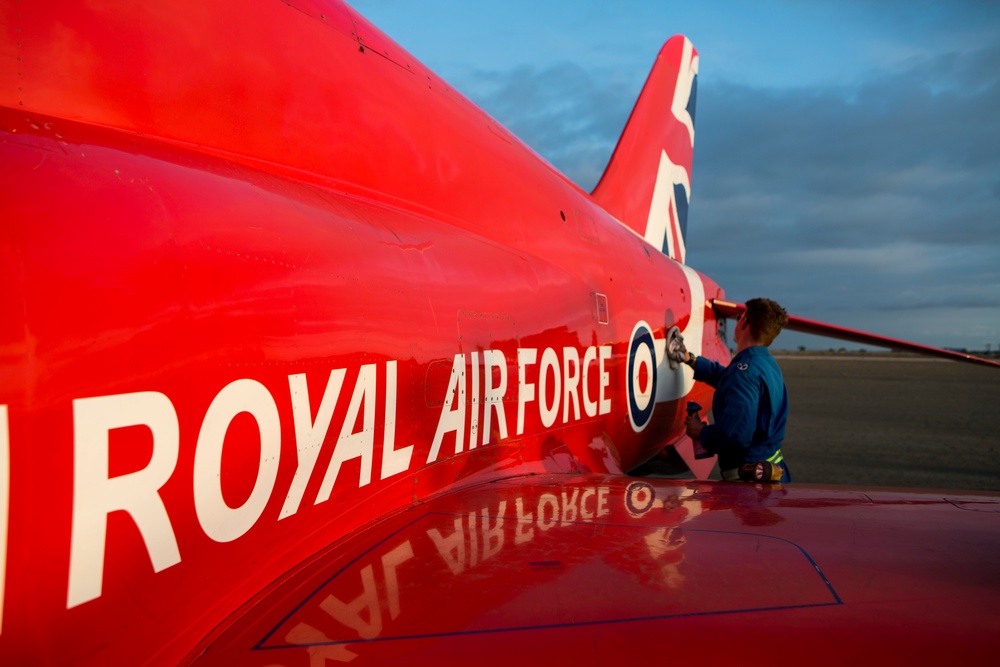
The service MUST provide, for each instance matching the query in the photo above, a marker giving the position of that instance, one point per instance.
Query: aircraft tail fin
(647, 183)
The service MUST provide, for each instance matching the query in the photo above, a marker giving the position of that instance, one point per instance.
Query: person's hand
(678, 352)
(694, 426)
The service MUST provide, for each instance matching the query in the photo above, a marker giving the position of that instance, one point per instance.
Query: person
(751, 402)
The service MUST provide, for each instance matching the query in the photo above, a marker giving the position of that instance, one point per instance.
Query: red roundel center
(643, 378)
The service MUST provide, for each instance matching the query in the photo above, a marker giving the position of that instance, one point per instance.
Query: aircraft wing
(602, 569)
(803, 325)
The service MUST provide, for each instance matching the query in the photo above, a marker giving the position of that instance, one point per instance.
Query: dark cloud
(564, 112)
(883, 196)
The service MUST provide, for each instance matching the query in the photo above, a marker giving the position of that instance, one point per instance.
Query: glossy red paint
(272, 283)
(601, 569)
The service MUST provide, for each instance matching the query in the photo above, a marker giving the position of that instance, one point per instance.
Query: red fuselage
(255, 302)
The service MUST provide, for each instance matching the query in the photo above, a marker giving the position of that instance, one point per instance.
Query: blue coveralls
(750, 408)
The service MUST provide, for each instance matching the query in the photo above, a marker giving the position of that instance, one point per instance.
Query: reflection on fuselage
(479, 560)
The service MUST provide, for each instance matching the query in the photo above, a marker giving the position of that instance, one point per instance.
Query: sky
(847, 154)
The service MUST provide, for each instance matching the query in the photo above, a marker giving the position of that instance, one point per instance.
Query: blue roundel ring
(641, 353)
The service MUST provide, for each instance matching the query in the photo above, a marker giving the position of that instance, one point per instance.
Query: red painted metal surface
(270, 282)
(599, 569)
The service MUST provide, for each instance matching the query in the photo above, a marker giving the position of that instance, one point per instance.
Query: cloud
(569, 115)
(884, 195)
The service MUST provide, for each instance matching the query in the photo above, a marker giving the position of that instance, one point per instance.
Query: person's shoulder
(765, 364)
(759, 354)
(754, 361)
(745, 364)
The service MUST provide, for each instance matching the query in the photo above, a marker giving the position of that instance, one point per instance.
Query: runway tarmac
(886, 420)
(892, 420)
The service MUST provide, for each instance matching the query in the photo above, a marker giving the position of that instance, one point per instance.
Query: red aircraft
(304, 359)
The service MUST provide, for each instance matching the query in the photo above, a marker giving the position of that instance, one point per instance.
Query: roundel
(641, 376)
(639, 497)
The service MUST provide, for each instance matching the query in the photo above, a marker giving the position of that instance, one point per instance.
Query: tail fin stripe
(647, 184)
(665, 225)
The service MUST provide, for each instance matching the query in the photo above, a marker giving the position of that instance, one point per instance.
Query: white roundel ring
(641, 381)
